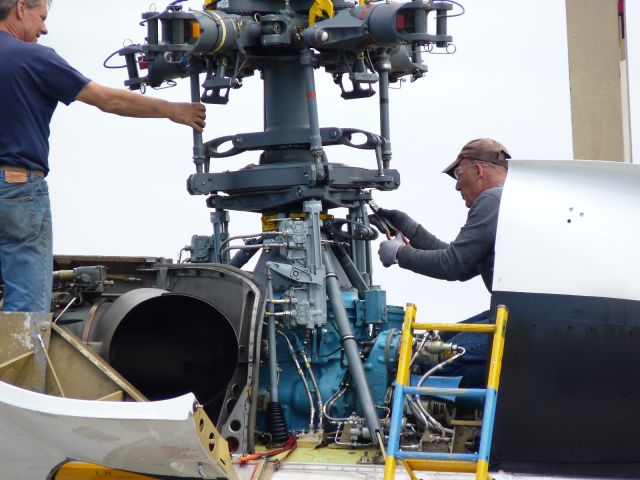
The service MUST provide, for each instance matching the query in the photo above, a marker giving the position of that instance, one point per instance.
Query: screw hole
(235, 426)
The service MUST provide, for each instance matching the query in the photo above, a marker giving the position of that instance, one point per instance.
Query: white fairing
(570, 228)
(38, 432)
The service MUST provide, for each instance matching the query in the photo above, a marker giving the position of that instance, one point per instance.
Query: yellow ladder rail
(445, 462)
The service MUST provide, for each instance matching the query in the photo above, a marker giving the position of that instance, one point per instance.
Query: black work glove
(382, 227)
(400, 220)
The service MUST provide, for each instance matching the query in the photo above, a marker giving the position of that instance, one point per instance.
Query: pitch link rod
(306, 60)
(199, 156)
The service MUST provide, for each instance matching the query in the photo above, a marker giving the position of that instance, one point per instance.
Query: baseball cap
(481, 150)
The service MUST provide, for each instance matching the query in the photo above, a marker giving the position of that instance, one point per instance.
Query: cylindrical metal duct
(167, 344)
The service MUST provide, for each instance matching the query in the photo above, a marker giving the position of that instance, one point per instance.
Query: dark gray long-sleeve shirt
(471, 253)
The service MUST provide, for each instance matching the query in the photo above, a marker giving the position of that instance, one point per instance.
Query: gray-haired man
(33, 79)
(480, 170)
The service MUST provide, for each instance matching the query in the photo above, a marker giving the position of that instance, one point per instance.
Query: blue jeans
(26, 252)
(472, 366)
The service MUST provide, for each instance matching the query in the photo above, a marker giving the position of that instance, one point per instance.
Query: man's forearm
(425, 240)
(122, 102)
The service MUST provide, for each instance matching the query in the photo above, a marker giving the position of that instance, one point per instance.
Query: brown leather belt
(12, 168)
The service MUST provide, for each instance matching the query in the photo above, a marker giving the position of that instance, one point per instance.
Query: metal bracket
(40, 330)
(301, 275)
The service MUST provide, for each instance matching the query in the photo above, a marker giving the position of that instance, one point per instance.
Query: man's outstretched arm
(127, 104)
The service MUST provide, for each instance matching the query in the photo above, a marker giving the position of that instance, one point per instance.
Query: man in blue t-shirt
(33, 79)
(480, 171)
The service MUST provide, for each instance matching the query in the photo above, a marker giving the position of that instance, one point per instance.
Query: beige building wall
(599, 81)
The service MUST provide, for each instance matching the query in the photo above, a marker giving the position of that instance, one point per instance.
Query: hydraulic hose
(304, 380)
(307, 365)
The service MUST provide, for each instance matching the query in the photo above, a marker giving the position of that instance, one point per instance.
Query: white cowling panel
(570, 228)
(38, 432)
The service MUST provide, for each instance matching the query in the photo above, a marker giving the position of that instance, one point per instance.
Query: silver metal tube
(411, 403)
(307, 364)
(251, 247)
(279, 301)
(351, 349)
(329, 404)
(304, 381)
(71, 302)
(435, 423)
(430, 421)
(286, 313)
(441, 365)
(425, 337)
(273, 360)
(252, 235)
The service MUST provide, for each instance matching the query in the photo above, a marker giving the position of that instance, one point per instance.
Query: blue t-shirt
(33, 79)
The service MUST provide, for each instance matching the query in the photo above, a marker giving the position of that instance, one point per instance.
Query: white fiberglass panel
(570, 228)
(39, 431)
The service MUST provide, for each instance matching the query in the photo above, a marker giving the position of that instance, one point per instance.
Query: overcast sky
(118, 185)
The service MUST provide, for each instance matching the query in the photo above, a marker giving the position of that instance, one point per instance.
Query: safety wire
(463, 11)
(105, 64)
(71, 302)
(167, 8)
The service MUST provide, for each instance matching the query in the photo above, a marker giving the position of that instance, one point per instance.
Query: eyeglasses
(458, 170)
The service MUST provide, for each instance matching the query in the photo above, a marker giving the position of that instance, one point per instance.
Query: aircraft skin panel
(565, 226)
(297, 471)
(289, 471)
(38, 432)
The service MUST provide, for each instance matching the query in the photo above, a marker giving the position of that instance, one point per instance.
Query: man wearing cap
(33, 79)
(480, 171)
